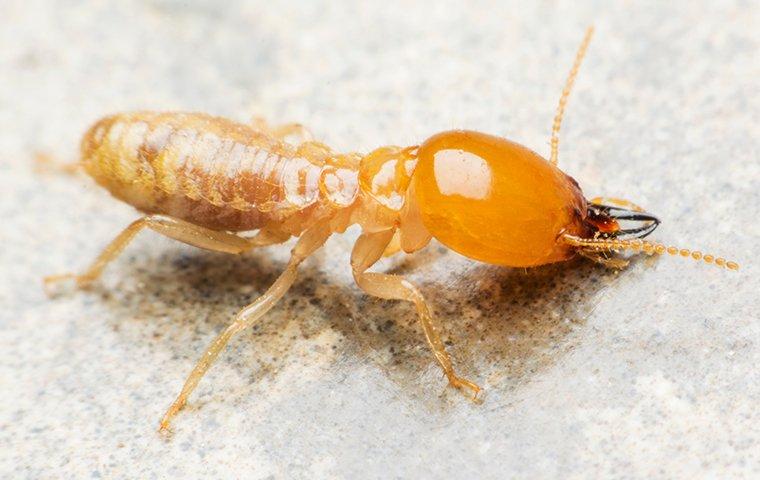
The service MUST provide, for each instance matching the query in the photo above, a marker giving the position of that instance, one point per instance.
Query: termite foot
(164, 430)
(462, 384)
(164, 426)
(170, 413)
(63, 282)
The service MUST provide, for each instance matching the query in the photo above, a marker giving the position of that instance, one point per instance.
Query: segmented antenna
(566, 93)
(647, 247)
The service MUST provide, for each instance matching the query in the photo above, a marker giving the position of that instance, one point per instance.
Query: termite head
(494, 201)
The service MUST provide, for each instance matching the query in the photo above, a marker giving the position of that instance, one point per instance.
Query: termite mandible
(205, 180)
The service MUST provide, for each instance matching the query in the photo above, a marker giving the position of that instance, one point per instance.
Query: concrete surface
(649, 373)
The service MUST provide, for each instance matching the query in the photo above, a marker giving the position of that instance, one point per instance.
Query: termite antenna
(647, 247)
(566, 92)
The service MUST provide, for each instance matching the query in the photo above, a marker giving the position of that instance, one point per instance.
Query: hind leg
(310, 241)
(169, 226)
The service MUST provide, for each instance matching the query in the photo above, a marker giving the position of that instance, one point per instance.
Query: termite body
(207, 181)
(223, 175)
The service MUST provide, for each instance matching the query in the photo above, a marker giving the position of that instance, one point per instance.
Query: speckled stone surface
(650, 372)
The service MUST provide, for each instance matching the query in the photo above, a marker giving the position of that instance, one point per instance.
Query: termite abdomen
(203, 169)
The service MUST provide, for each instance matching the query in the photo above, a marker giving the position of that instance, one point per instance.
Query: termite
(206, 181)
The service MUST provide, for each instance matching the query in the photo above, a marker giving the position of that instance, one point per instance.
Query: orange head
(496, 201)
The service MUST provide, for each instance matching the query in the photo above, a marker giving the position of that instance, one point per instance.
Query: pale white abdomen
(212, 172)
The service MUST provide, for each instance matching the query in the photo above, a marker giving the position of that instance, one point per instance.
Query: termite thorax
(384, 176)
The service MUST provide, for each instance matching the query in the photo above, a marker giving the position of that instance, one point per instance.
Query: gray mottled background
(651, 372)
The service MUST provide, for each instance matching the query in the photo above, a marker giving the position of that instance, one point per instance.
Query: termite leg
(47, 164)
(297, 130)
(316, 150)
(368, 250)
(311, 240)
(598, 257)
(171, 227)
(394, 246)
(265, 237)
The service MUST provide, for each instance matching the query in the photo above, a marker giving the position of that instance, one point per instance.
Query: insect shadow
(502, 325)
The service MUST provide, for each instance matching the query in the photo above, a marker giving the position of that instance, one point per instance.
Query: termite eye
(495, 201)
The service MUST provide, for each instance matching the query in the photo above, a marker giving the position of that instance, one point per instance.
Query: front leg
(367, 251)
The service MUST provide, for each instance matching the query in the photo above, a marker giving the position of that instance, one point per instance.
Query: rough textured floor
(651, 372)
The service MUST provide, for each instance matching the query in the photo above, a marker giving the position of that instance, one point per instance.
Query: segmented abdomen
(204, 169)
